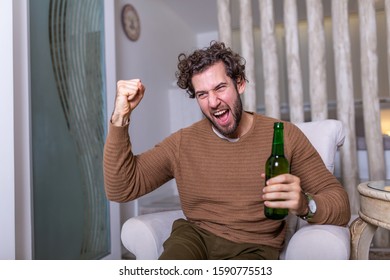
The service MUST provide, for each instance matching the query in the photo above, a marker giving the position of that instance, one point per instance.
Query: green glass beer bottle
(276, 164)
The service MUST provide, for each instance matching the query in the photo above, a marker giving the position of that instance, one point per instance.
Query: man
(218, 164)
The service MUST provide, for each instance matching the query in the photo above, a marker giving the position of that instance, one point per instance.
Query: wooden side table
(374, 212)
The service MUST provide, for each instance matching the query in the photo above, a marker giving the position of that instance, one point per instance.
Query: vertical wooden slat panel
(224, 22)
(371, 113)
(387, 11)
(369, 73)
(294, 73)
(247, 47)
(317, 62)
(345, 99)
(270, 59)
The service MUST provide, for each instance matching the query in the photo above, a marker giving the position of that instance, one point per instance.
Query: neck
(245, 124)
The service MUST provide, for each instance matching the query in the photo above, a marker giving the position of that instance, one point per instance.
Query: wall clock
(131, 22)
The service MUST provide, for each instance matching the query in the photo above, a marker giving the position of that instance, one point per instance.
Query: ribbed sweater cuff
(118, 133)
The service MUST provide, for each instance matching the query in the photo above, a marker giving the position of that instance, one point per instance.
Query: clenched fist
(128, 95)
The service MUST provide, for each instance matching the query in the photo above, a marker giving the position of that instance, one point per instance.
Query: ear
(241, 84)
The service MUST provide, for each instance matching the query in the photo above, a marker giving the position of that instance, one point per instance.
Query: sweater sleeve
(128, 176)
(331, 198)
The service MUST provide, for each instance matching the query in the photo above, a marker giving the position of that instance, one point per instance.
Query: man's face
(219, 99)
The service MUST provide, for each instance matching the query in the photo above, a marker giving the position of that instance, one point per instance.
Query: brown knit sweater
(219, 181)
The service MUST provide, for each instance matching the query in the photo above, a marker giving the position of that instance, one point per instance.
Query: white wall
(7, 171)
(110, 56)
(15, 206)
(22, 154)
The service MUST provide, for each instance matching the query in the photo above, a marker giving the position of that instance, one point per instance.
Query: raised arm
(128, 176)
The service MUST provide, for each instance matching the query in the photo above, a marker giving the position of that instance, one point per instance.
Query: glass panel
(71, 214)
(380, 185)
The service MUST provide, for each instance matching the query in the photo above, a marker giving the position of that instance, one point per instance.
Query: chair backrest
(326, 136)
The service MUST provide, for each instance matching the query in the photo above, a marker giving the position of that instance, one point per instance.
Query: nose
(213, 100)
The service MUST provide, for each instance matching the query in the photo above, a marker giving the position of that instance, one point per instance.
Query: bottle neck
(278, 142)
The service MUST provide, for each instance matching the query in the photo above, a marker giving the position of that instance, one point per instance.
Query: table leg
(361, 237)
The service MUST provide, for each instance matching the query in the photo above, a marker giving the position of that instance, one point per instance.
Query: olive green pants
(189, 242)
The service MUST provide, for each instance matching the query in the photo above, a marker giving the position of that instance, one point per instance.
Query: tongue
(222, 119)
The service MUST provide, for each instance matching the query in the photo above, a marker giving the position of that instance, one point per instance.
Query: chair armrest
(319, 242)
(144, 235)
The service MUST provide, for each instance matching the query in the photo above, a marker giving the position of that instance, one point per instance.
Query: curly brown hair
(202, 59)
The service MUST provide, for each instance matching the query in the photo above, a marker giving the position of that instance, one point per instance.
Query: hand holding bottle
(284, 192)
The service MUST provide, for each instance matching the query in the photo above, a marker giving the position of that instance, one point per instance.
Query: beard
(236, 111)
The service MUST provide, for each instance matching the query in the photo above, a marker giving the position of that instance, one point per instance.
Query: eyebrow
(221, 84)
(215, 88)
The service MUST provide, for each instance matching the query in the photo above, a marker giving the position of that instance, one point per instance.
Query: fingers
(283, 179)
(130, 89)
(282, 183)
(283, 191)
(128, 95)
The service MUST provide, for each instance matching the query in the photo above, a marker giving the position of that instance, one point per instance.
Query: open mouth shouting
(222, 117)
(225, 120)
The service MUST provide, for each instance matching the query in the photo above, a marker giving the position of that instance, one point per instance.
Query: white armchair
(144, 235)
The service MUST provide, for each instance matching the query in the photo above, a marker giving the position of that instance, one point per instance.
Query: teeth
(219, 113)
